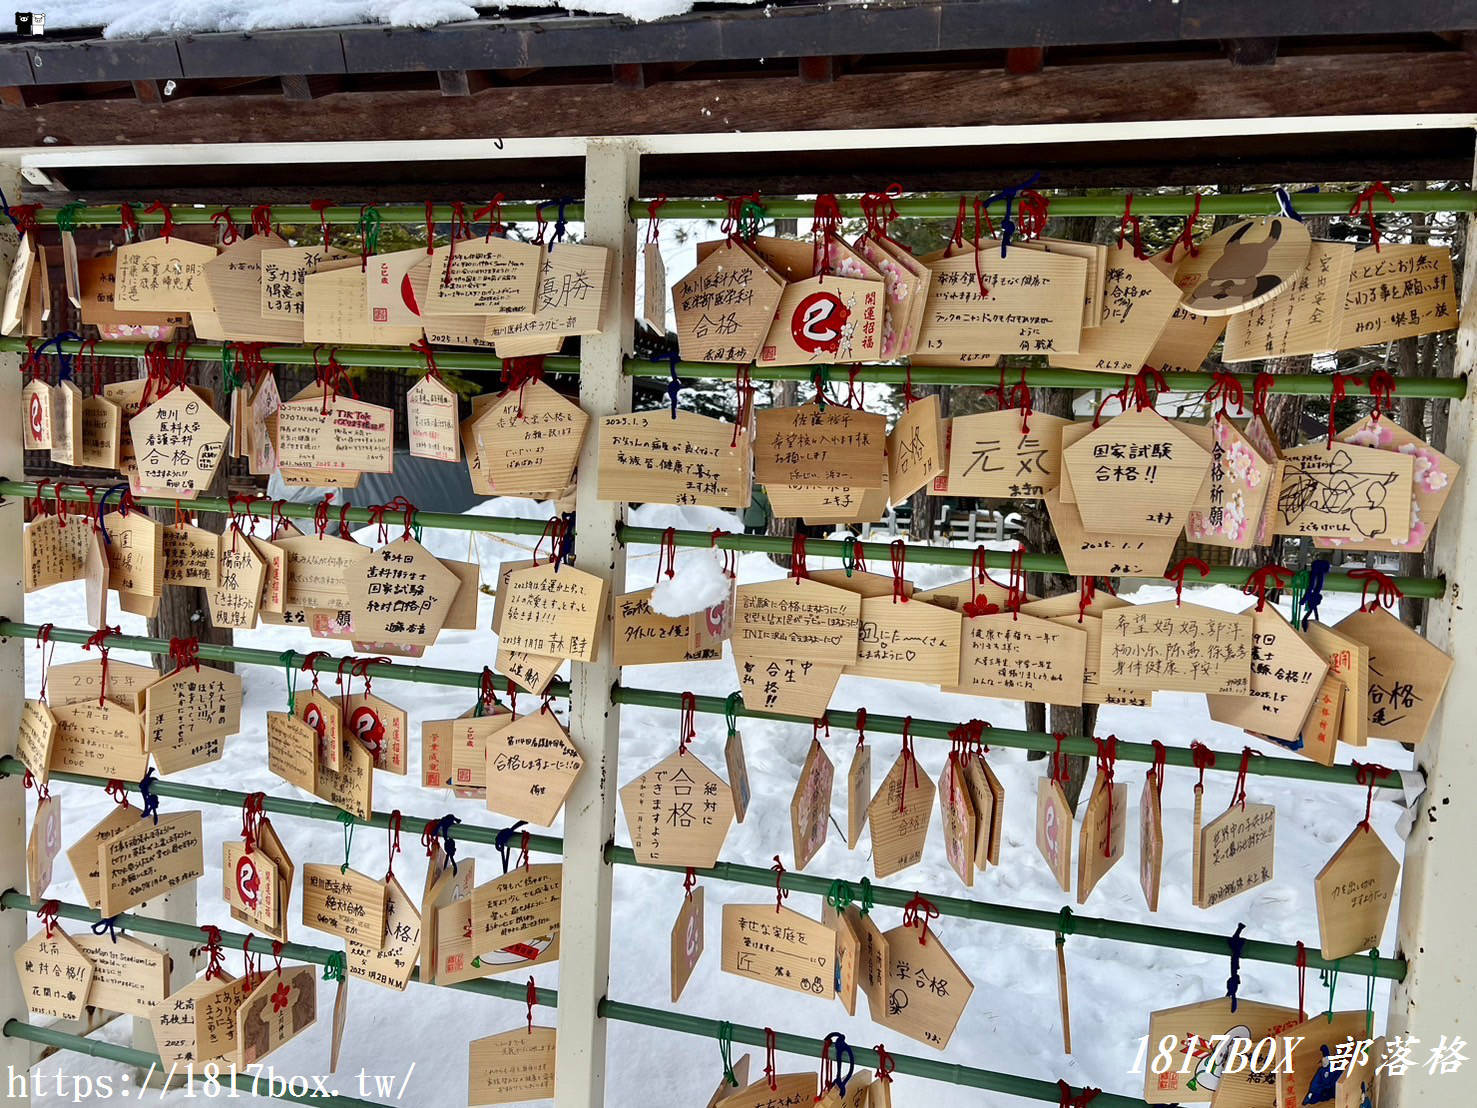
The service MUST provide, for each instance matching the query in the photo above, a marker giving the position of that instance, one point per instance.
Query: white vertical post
(15, 1054)
(611, 178)
(1435, 934)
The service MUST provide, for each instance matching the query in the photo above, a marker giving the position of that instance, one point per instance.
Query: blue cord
(63, 360)
(1237, 944)
(1007, 225)
(120, 488)
(1313, 594)
(151, 801)
(504, 842)
(674, 384)
(448, 844)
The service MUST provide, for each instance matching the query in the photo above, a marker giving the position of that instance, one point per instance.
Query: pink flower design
(1428, 474)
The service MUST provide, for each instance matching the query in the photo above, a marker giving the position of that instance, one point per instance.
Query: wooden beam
(12, 96)
(818, 69)
(1231, 162)
(1251, 51)
(462, 82)
(1021, 60)
(150, 92)
(300, 88)
(1299, 85)
(631, 75)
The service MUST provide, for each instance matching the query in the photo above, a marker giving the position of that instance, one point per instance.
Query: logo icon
(366, 724)
(313, 717)
(248, 881)
(817, 323)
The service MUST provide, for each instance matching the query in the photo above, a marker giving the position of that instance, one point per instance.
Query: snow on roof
(135, 19)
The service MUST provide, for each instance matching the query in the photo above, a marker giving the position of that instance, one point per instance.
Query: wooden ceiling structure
(788, 67)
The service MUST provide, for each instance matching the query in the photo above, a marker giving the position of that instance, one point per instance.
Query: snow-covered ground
(1011, 1023)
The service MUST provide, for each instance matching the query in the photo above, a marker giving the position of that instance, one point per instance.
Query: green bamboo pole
(1283, 954)
(508, 525)
(224, 1074)
(1226, 761)
(962, 556)
(1004, 914)
(301, 809)
(11, 900)
(1044, 377)
(105, 215)
(923, 207)
(949, 1072)
(263, 509)
(213, 652)
(386, 357)
(946, 206)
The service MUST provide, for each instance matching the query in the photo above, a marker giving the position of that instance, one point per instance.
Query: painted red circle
(817, 322)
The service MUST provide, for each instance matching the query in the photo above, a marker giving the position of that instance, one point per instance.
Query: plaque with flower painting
(1433, 476)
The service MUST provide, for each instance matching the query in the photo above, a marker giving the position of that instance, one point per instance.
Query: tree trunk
(785, 396)
(183, 612)
(920, 504)
(1070, 720)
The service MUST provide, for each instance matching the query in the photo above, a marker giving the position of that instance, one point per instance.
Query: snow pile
(698, 584)
(130, 19)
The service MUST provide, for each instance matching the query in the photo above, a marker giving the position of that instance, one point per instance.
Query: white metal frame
(16, 1053)
(717, 142)
(1434, 933)
(611, 180)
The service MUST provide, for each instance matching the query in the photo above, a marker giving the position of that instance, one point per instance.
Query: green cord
(848, 554)
(1067, 926)
(751, 215)
(1297, 590)
(369, 228)
(335, 968)
(867, 904)
(66, 216)
(286, 659)
(230, 382)
(730, 712)
(725, 1049)
(347, 819)
(839, 895)
(1374, 969)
